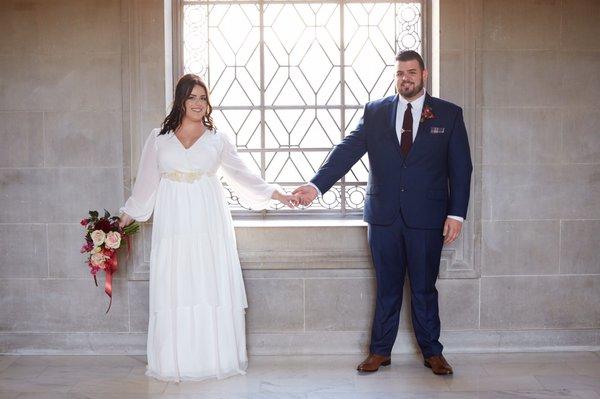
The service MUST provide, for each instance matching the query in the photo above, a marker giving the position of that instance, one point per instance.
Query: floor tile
(570, 382)
(528, 369)
(494, 383)
(551, 375)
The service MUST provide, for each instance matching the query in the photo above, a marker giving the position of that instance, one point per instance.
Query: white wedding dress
(196, 328)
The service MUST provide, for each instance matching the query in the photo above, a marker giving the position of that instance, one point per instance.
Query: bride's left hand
(286, 199)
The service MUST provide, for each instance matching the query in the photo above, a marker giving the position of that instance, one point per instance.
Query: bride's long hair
(184, 88)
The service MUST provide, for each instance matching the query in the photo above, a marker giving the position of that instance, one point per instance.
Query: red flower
(104, 225)
(427, 114)
(103, 258)
(108, 252)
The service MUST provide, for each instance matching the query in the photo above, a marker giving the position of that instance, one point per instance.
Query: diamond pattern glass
(290, 79)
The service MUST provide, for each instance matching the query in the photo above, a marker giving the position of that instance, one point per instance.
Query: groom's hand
(452, 229)
(306, 194)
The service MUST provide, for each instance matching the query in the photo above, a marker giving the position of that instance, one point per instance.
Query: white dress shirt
(417, 109)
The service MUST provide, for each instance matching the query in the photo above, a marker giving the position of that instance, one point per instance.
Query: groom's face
(410, 78)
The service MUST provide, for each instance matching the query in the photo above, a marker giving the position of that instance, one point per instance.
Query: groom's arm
(342, 158)
(460, 168)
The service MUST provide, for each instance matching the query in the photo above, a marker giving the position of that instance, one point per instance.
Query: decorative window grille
(290, 79)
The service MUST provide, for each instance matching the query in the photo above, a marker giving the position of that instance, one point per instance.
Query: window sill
(297, 222)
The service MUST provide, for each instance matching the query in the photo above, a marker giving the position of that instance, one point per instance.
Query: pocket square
(437, 130)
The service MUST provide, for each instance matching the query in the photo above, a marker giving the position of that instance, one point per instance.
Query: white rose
(96, 250)
(113, 240)
(98, 237)
(98, 260)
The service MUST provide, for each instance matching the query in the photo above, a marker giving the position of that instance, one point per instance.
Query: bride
(196, 328)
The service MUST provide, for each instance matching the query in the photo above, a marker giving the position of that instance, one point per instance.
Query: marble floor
(516, 375)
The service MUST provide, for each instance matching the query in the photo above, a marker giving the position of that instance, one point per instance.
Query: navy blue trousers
(397, 249)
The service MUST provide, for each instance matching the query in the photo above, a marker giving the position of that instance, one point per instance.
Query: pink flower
(84, 222)
(87, 247)
(113, 240)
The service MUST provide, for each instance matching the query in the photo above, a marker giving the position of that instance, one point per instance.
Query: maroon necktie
(407, 126)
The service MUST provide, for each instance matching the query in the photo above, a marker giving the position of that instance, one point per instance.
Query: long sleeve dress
(196, 327)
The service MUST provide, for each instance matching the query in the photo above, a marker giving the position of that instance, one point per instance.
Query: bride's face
(196, 104)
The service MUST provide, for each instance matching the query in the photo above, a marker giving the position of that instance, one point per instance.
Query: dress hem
(171, 378)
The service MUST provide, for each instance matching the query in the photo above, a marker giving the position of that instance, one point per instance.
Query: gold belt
(186, 177)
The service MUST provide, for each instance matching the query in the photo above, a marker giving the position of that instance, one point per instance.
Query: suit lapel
(392, 112)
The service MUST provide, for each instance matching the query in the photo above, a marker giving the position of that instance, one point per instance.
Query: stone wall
(82, 83)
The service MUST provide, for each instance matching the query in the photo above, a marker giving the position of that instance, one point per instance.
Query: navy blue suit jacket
(432, 182)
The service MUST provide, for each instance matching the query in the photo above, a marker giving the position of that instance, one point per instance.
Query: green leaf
(131, 229)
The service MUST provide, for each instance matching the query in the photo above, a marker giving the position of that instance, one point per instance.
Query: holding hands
(306, 194)
(303, 195)
(286, 199)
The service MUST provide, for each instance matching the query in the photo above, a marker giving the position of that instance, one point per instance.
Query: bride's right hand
(126, 220)
(285, 198)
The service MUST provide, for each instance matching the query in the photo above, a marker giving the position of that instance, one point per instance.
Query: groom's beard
(411, 90)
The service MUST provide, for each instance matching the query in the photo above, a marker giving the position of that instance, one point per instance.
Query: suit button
(402, 189)
(404, 166)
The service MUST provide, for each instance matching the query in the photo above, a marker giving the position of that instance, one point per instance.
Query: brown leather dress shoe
(373, 362)
(438, 365)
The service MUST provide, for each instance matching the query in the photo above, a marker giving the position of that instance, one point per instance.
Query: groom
(417, 198)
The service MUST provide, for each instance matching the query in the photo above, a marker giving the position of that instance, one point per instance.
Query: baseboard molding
(303, 343)
(73, 343)
(454, 342)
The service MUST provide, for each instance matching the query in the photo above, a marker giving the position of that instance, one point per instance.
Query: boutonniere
(427, 114)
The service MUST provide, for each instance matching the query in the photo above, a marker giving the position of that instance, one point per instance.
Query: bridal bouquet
(103, 237)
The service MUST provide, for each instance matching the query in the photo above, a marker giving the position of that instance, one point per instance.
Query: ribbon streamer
(112, 266)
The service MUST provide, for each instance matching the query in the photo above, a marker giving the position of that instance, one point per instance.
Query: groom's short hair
(409, 55)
